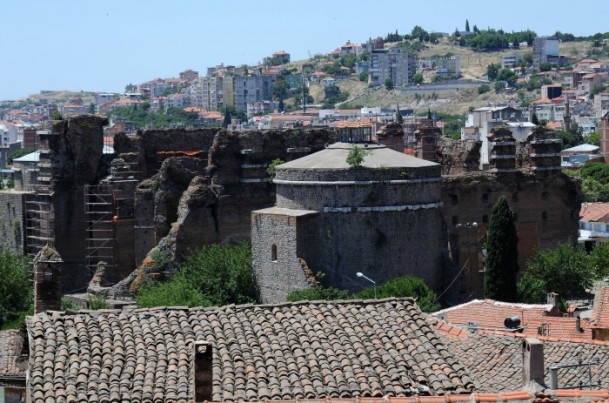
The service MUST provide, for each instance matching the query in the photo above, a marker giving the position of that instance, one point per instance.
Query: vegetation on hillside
(143, 117)
(594, 181)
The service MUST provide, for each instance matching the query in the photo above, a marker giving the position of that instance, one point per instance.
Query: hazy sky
(102, 45)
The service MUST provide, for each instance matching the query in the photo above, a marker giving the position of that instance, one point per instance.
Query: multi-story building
(545, 50)
(396, 64)
(601, 104)
(209, 92)
(510, 61)
(252, 88)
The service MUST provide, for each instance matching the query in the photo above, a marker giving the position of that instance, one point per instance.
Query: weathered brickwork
(12, 227)
(546, 206)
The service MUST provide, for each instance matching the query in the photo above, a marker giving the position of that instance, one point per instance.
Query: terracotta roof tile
(495, 361)
(261, 352)
(11, 342)
(600, 313)
(536, 319)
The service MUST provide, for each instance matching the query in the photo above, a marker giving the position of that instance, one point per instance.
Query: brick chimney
(202, 375)
(48, 266)
(533, 365)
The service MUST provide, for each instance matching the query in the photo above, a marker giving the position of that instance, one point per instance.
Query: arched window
(274, 252)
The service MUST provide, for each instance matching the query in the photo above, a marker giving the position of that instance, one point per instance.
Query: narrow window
(544, 215)
(485, 219)
(274, 252)
(454, 199)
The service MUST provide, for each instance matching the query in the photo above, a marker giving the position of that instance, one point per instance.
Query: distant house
(593, 223)
(576, 156)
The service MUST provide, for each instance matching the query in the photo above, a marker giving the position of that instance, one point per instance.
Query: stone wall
(12, 226)
(276, 236)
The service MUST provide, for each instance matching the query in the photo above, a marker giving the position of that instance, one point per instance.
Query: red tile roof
(536, 320)
(600, 314)
(11, 343)
(594, 212)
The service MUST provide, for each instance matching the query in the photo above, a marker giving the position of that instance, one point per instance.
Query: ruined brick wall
(77, 157)
(12, 225)
(546, 206)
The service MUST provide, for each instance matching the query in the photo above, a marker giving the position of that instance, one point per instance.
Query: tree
(398, 117)
(484, 88)
(466, 26)
(566, 270)
(356, 156)
(16, 292)
(400, 287)
(535, 119)
(363, 76)
(280, 89)
(216, 275)
(491, 71)
(270, 170)
(227, 118)
(499, 86)
(594, 138)
(417, 78)
(502, 254)
(389, 84)
(19, 153)
(318, 293)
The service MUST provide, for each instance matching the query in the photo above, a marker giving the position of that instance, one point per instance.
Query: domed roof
(335, 157)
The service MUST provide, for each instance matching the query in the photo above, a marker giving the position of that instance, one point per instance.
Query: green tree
(363, 76)
(10, 183)
(227, 118)
(405, 286)
(317, 293)
(594, 138)
(216, 275)
(566, 270)
(16, 292)
(502, 254)
(280, 89)
(492, 70)
(417, 78)
(466, 26)
(600, 259)
(484, 88)
(389, 85)
(356, 156)
(498, 86)
(535, 119)
(270, 170)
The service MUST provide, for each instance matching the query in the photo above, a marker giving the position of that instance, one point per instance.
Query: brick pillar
(48, 267)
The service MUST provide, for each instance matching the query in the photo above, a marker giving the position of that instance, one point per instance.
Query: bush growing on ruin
(356, 156)
(16, 291)
(270, 170)
(502, 254)
(318, 293)
(215, 275)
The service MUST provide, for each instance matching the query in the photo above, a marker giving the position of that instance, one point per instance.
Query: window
(515, 197)
(455, 220)
(485, 197)
(274, 253)
(485, 219)
(454, 199)
(544, 215)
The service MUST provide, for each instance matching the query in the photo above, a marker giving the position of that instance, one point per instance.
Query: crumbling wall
(546, 206)
(76, 147)
(458, 156)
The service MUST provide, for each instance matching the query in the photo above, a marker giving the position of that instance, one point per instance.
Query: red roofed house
(534, 320)
(593, 223)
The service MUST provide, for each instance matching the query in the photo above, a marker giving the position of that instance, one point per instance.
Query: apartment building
(396, 64)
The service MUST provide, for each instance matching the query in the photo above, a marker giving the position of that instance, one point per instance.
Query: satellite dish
(512, 322)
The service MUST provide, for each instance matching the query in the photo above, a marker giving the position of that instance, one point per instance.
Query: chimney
(202, 375)
(533, 370)
(48, 266)
(578, 324)
(552, 297)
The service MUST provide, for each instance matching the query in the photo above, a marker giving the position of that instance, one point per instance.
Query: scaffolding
(100, 240)
(39, 222)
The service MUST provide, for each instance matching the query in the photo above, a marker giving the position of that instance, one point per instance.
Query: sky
(103, 45)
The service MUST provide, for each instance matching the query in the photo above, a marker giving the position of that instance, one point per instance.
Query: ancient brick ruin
(169, 192)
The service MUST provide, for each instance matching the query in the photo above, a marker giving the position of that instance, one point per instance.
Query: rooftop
(307, 350)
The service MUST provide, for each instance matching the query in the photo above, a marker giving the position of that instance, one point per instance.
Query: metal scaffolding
(100, 239)
(39, 222)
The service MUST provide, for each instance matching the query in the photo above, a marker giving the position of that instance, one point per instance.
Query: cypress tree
(502, 254)
(466, 26)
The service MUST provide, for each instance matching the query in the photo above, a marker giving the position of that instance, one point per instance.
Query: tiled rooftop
(307, 350)
(594, 212)
(10, 351)
(600, 314)
(536, 319)
(496, 363)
